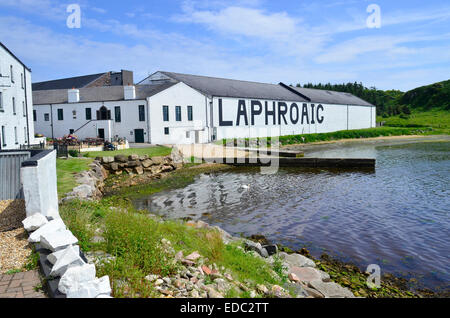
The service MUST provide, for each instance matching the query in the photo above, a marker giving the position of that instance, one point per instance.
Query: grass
(350, 134)
(135, 240)
(154, 151)
(66, 169)
(435, 118)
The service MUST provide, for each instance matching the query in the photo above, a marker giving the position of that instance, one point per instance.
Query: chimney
(73, 95)
(129, 92)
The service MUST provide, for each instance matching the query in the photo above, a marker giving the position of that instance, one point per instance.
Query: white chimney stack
(129, 92)
(73, 95)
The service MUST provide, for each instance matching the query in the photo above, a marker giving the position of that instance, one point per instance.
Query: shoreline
(346, 274)
(372, 140)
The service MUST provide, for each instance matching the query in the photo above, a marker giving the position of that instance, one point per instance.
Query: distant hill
(394, 102)
(436, 95)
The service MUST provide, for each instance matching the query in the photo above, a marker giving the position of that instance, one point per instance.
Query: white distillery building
(16, 101)
(172, 108)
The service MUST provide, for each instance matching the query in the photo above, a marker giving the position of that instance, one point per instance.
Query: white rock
(297, 260)
(70, 257)
(103, 296)
(91, 289)
(52, 258)
(55, 241)
(76, 275)
(50, 227)
(34, 222)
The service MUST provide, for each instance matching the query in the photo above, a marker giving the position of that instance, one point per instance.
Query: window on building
(117, 115)
(34, 115)
(3, 136)
(188, 134)
(166, 113)
(190, 116)
(1, 101)
(16, 139)
(103, 114)
(47, 117)
(178, 113)
(74, 113)
(11, 73)
(71, 131)
(60, 114)
(14, 105)
(24, 109)
(88, 113)
(25, 134)
(166, 130)
(141, 113)
(21, 80)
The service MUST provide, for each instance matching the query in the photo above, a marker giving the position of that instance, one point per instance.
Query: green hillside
(428, 97)
(396, 103)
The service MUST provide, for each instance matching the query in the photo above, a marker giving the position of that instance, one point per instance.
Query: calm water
(395, 216)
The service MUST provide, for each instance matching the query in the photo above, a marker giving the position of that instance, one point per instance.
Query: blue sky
(257, 40)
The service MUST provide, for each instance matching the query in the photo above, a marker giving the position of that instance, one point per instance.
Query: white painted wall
(9, 90)
(178, 95)
(129, 110)
(334, 119)
(40, 187)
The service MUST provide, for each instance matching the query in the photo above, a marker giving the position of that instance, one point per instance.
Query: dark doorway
(101, 133)
(103, 114)
(139, 136)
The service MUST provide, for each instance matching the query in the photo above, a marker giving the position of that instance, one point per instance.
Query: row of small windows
(11, 76)
(102, 114)
(177, 113)
(16, 137)
(14, 108)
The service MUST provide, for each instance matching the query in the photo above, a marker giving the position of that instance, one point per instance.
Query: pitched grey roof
(329, 97)
(222, 87)
(96, 94)
(67, 83)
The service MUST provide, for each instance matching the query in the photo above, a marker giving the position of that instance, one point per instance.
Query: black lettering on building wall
(282, 112)
(255, 112)
(221, 121)
(270, 113)
(305, 114)
(242, 111)
(294, 120)
(319, 119)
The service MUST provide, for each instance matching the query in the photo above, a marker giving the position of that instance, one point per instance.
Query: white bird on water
(245, 186)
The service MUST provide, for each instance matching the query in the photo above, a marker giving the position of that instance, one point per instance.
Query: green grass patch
(437, 119)
(66, 169)
(153, 151)
(134, 239)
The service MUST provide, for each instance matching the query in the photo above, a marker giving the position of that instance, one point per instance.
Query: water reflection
(396, 216)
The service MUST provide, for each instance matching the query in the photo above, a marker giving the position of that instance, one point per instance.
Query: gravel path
(14, 247)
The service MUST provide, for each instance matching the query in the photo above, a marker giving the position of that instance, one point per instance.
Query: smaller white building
(16, 102)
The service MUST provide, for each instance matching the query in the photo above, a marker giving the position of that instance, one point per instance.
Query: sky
(256, 40)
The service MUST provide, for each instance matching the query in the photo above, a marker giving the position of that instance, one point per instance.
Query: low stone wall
(67, 272)
(90, 182)
(135, 164)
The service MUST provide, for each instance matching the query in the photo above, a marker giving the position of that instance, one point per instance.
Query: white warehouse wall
(178, 95)
(334, 118)
(22, 94)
